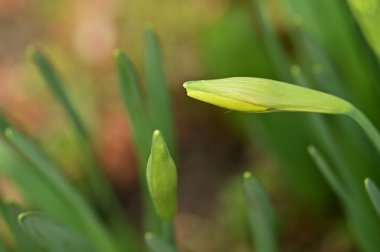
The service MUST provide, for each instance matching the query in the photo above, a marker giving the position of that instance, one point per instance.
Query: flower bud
(162, 178)
(263, 95)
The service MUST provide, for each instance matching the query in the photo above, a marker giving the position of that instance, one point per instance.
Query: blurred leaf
(272, 41)
(52, 235)
(260, 214)
(232, 39)
(135, 105)
(141, 126)
(22, 242)
(374, 194)
(55, 84)
(339, 188)
(362, 223)
(156, 244)
(45, 189)
(98, 181)
(158, 89)
(367, 14)
(357, 65)
(3, 246)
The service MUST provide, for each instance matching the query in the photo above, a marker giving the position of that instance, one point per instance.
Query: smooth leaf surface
(156, 244)
(52, 235)
(374, 194)
(261, 215)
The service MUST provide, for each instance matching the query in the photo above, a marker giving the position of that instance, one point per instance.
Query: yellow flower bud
(263, 95)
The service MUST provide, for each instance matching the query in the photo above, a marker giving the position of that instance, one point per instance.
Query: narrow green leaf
(328, 173)
(22, 241)
(52, 235)
(373, 193)
(135, 106)
(260, 214)
(271, 40)
(41, 185)
(141, 127)
(156, 244)
(55, 84)
(367, 14)
(158, 89)
(98, 182)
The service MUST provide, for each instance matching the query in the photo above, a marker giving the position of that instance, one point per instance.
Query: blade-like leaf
(156, 244)
(374, 194)
(260, 214)
(158, 89)
(98, 182)
(52, 235)
(23, 243)
(328, 173)
(135, 106)
(141, 127)
(50, 193)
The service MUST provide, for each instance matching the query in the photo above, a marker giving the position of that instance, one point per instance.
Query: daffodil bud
(162, 178)
(263, 95)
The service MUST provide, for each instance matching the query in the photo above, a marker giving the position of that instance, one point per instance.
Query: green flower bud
(161, 175)
(263, 95)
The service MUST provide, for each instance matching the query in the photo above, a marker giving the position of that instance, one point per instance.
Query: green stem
(168, 232)
(367, 126)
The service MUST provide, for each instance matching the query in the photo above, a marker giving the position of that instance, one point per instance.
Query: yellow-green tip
(247, 175)
(117, 52)
(366, 182)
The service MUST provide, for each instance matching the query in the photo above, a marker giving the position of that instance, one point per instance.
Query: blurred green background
(331, 43)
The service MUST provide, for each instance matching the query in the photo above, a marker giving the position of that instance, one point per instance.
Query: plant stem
(367, 126)
(168, 232)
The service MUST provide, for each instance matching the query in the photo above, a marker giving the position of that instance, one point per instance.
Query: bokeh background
(200, 40)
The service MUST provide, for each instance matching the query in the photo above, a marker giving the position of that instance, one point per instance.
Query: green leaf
(141, 127)
(272, 41)
(161, 176)
(44, 187)
(55, 84)
(98, 182)
(335, 183)
(260, 214)
(367, 14)
(158, 89)
(156, 244)
(373, 193)
(23, 243)
(52, 235)
(135, 105)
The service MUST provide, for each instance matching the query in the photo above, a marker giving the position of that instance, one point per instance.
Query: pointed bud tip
(156, 133)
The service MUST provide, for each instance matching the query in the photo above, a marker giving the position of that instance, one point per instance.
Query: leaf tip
(117, 53)
(311, 149)
(247, 175)
(8, 133)
(148, 235)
